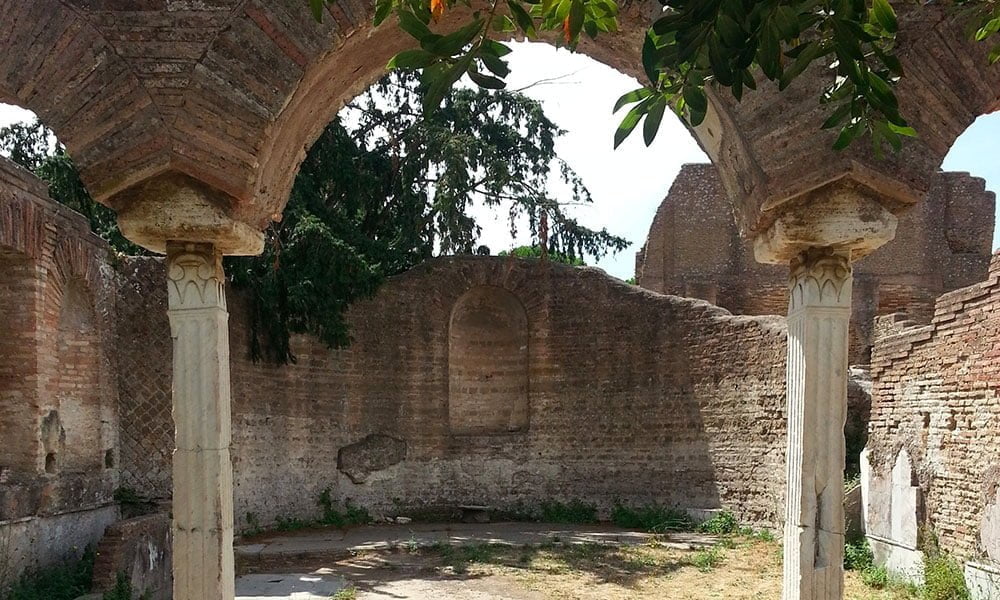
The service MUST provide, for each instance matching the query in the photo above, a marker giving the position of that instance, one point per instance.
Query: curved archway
(488, 363)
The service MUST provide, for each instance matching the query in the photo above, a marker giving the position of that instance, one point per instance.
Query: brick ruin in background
(59, 456)
(694, 249)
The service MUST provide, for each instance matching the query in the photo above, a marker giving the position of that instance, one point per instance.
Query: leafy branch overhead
(694, 45)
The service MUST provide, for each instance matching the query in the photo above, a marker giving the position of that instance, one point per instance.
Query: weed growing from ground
(653, 518)
(65, 581)
(723, 523)
(348, 593)
(576, 512)
(351, 515)
(708, 559)
(943, 579)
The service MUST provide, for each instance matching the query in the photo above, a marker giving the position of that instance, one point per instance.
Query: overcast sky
(629, 183)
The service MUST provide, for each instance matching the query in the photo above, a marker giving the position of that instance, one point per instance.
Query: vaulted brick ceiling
(232, 92)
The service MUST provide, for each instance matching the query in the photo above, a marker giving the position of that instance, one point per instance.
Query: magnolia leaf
(454, 42)
(316, 6)
(630, 121)
(522, 18)
(412, 25)
(695, 98)
(885, 15)
(383, 8)
(412, 59)
(653, 118)
(632, 97)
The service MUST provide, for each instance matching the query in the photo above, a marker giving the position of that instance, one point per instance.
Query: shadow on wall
(501, 382)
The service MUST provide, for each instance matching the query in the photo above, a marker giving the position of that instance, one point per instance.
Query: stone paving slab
(289, 586)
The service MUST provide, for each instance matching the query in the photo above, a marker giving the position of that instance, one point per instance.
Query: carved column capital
(820, 277)
(195, 276)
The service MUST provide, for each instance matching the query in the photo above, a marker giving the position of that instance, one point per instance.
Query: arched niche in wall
(76, 383)
(18, 363)
(488, 363)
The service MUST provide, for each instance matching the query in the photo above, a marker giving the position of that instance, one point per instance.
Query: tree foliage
(381, 190)
(35, 148)
(726, 44)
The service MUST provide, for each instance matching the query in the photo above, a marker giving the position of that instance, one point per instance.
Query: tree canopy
(693, 44)
(381, 190)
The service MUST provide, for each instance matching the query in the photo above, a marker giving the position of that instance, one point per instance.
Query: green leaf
(503, 24)
(383, 8)
(653, 118)
(787, 22)
(902, 130)
(495, 48)
(769, 54)
(695, 98)
(995, 54)
(576, 16)
(523, 19)
(730, 31)
(885, 15)
(838, 116)
(486, 81)
(412, 59)
(991, 27)
(497, 66)
(630, 121)
(409, 23)
(810, 52)
(317, 9)
(650, 64)
(454, 42)
(632, 97)
(439, 82)
(720, 65)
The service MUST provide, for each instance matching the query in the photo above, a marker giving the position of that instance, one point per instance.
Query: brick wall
(631, 395)
(694, 249)
(58, 388)
(934, 396)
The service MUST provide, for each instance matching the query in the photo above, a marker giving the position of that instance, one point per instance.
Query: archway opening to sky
(975, 151)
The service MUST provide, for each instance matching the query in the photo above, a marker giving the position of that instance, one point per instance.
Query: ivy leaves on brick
(693, 47)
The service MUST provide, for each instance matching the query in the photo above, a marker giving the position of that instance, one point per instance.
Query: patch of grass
(123, 590)
(653, 518)
(253, 525)
(332, 515)
(723, 523)
(65, 581)
(348, 593)
(575, 512)
(708, 559)
(858, 556)
(943, 578)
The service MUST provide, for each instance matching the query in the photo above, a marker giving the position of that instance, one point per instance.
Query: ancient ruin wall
(617, 394)
(934, 397)
(58, 389)
(694, 249)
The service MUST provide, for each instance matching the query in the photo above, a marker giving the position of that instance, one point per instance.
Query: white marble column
(202, 469)
(819, 313)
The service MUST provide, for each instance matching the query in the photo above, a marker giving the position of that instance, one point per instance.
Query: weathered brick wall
(934, 395)
(139, 548)
(694, 249)
(631, 395)
(58, 389)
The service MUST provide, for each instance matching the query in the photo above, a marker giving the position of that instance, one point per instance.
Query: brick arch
(59, 65)
(488, 363)
(71, 362)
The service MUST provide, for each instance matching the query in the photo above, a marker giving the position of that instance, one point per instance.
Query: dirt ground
(736, 569)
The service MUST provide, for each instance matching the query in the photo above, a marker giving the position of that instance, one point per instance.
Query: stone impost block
(843, 216)
(175, 207)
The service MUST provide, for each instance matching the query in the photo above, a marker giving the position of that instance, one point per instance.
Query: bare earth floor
(515, 562)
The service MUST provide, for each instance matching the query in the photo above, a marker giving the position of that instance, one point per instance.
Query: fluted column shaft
(202, 468)
(819, 313)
